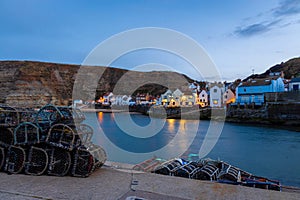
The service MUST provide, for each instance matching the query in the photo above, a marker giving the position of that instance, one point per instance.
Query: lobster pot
(208, 172)
(85, 133)
(187, 170)
(83, 163)
(59, 161)
(6, 137)
(26, 133)
(2, 157)
(15, 159)
(9, 116)
(169, 167)
(37, 161)
(230, 173)
(63, 136)
(98, 154)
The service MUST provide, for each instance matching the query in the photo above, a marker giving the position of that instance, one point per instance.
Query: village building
(120, 100)
(106, 99)
(202, 98)
(188, 98)
(165, 98)
(294, 84)
(142, 98)
(215, 95)
(253, 91)
(229, 97)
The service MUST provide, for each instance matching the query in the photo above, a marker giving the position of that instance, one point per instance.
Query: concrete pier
(118, 181)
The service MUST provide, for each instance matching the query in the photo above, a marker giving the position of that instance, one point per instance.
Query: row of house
(215, 94)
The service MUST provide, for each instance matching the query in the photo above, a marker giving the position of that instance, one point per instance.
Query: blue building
(294, 85)
(253, 90)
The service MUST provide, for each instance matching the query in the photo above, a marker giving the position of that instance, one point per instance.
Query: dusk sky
(238, 35)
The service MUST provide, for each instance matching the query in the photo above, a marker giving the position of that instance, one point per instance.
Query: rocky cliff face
(25, 83)
(33, 84)
(290, 68)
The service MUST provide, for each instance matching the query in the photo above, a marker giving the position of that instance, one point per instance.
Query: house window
(245, 90)
(215, 90)
(225, 96)
(202, 95)
(215, 101)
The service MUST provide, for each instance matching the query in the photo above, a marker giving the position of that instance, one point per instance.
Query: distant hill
(290, 68)
(31, 83)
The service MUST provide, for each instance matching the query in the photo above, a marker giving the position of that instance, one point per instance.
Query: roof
(295, 80)
(258, 82)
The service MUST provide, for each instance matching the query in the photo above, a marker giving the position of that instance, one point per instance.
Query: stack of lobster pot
(51, 141)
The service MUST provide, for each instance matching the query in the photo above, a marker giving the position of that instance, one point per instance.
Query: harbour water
(261, 150)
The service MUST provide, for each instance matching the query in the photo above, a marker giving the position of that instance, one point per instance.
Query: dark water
(263, 151)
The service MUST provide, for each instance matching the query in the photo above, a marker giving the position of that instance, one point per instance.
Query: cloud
(274, 19)
(287, 7)
(255, 29)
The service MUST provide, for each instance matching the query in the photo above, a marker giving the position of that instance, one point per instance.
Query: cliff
(33, 84)
(290, 68)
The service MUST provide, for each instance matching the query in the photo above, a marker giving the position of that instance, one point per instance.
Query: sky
(239, 36)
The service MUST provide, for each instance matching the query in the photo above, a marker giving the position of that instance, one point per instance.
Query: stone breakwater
(51, 141)
(277, 113)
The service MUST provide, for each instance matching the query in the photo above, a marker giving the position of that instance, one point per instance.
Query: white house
(107, 99)
(166, 98)
(176, 98)
(120, 100)
(188, 98)
(215, 96)
(202, 98)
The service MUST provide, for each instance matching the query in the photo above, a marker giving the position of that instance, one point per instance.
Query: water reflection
(263, 151)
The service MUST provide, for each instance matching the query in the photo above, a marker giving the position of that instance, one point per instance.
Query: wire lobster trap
(2, 157)
(9, 116)
(230, 173)
(37, 162)
(15, 159)
(208, 172)
(188, 170)
(26, 133)
(98, 154)
(47, 116)
(59, 161)
(85, 133)
(6, 137)
(169, 167)
(71, 115)
(63, 136)
(84, 163)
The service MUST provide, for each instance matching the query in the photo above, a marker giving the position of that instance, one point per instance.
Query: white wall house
(176, 98)
(120, 100)
(188, 99)
(215, 96)
(202, 98)
(107, 98)
(165, 98)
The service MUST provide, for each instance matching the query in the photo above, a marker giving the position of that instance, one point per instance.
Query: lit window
(215, 102)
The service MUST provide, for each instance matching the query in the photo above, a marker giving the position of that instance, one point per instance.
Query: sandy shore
(118, 181)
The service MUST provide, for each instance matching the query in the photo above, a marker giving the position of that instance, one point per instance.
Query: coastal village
(249, 93)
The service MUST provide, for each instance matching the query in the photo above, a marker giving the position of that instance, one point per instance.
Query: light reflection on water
(263, 151)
